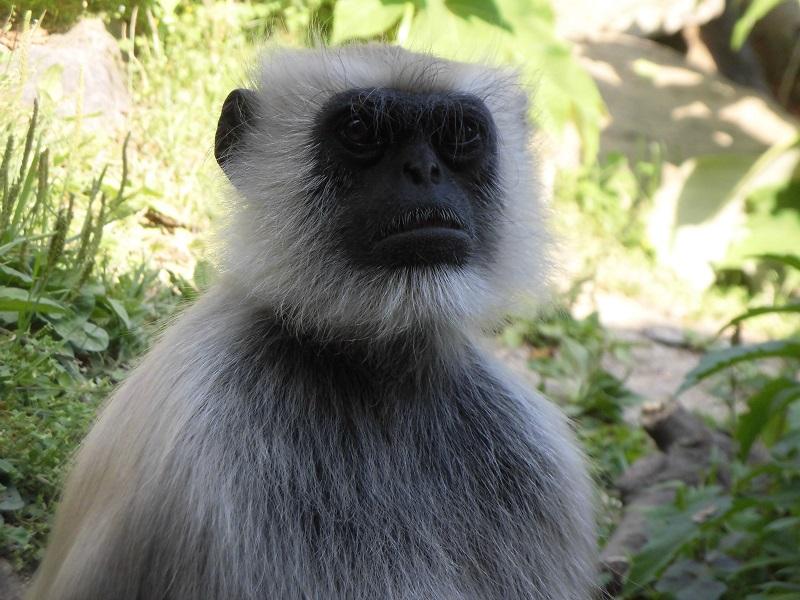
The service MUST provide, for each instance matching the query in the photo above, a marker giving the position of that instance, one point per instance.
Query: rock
(10, 583)
(57, 63)
(654, 95)
(579, 18)
(687, 449)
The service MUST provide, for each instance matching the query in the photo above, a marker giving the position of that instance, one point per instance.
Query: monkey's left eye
(461, 140)
(470, 134)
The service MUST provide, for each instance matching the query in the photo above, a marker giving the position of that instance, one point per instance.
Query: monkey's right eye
(357, 135)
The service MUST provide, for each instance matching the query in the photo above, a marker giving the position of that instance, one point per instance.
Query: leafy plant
(612, 196)
(743, 541)
(68, 325)
(569, 353)
(44, 267)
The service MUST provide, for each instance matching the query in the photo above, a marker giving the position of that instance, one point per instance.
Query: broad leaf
(771, 186)
(10, 498)
(762, 310)
(714, 362)
(768, 403)
(712, 183)
(364, 19)
(17, 300)
(82, 334)
(485, 10)
(119, 310)
(790, 260)
(690, 580)
(9, 273)
(672, 528)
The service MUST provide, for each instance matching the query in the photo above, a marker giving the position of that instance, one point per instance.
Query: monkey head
(379, 190)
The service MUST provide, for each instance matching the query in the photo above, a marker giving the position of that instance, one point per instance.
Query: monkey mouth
(423, 237)
(428, 218)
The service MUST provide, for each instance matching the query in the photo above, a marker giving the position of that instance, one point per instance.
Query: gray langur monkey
(324, 423)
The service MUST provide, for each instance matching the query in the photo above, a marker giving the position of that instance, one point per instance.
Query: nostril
(413, 172)
(435, 173)
(421, 173)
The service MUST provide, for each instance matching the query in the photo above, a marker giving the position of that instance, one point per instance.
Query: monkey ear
(238, 112)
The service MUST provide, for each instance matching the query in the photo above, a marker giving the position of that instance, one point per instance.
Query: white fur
(280, 247)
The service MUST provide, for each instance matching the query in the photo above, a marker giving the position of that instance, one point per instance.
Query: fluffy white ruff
(281, 247)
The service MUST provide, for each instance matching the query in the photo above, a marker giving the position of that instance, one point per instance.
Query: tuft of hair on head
(279, 246)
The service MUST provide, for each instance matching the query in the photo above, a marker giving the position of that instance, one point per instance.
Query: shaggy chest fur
(399, 478)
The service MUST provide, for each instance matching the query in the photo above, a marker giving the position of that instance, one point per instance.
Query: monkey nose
(420, 173)
(421, 166)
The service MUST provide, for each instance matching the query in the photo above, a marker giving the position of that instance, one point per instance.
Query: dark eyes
(458, 139)
(461, 140)
(470, 135)
(357, 135)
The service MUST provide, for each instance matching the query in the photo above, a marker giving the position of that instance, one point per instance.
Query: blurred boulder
(702, 30)
(81, 69)
(578, 19)
(654, 95)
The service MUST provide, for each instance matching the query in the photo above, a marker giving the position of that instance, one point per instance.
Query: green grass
(71, 319)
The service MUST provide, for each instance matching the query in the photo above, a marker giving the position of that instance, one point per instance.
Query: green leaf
(82, 334)
(204, 274)
(771, 187)
(485, 10)
(659, 551)
(17, 535)
(785, 523)
(790, 260)
(762, 310)
(770, 401)
(713, 362)
(364, 19)
(119, 310)
(690, 580)
(755, 12)
(672, 528)
(17, 276)
(17, 300)
(10, 499)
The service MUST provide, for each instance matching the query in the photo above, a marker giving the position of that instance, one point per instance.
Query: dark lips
(424, 236)
(436, 220)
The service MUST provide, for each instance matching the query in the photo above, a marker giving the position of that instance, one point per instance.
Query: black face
(413, 176)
